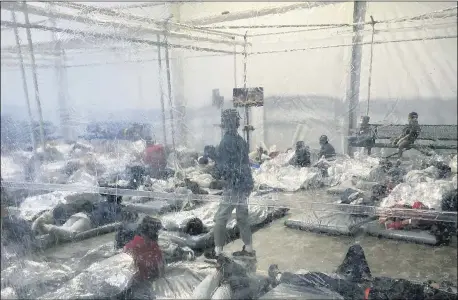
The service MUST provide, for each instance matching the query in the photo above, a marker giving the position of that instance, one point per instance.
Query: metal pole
(247, 112)
(169, 87)
(34, 73)
(370, 68)
(66, 96)
(59, 79)
(235, 82)
(24, 81)
(159, 59)
(359, 12)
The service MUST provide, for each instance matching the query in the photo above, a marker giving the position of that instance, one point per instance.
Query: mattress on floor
(155, 207)
(325, 222)
(417, 236)
(174, 223)
(290, 291)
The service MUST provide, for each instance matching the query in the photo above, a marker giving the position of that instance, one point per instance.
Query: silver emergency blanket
(174, 223)
(31, 278)
(105, 279)
(179, 281)
(324, 222)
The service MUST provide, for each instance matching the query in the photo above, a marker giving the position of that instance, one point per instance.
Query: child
(145, 250)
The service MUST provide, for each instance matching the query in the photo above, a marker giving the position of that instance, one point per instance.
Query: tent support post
(352, 94)
(24, 81)
(159, 59)
(34, 74)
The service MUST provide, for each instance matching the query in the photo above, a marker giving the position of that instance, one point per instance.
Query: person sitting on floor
(327, 152)
(144, 249)
(156, 161)
(301, 156)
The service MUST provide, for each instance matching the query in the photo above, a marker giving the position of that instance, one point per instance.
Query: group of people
(366, 135)
(232, 167)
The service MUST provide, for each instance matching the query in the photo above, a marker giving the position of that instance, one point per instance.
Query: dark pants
(363, 141)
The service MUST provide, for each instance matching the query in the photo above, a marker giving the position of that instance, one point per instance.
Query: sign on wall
(248, 97)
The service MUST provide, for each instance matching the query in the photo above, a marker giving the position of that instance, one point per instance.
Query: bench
(442, 137)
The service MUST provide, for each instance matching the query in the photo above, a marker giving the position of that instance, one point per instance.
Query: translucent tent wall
(304, 69)
(109, 75)
(299, 52)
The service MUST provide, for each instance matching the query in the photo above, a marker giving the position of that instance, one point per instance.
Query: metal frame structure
(127, 23)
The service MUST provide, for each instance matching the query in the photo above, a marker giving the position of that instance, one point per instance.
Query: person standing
(233, 166)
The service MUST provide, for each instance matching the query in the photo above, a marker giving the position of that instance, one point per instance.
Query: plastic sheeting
(32, 278)
(105, 279)
(419, 186)
(277, 173)
(174, 223)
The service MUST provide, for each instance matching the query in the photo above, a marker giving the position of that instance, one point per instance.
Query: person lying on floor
(67, 220)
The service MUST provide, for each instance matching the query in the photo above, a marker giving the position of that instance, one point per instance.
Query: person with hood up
(409, 134)
(301, 156)
(233, 166)
(144, 249)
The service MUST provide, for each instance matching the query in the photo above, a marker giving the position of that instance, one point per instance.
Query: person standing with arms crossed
(233, 166)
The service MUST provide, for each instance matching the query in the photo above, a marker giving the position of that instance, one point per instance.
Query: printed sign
(248, 97)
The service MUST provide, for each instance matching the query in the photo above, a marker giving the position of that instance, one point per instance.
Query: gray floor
(293, 249)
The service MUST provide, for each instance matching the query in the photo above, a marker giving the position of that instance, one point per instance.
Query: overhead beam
(116, 37)
(257, 13)
(124, 27)
(147, 20)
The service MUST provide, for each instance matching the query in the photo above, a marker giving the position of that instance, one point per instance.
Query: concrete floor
(294, 249)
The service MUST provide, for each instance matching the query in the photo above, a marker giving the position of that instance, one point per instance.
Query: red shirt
(155, 156)
(147, 256)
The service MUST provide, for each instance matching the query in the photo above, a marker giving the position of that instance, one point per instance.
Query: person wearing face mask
(409, 134)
